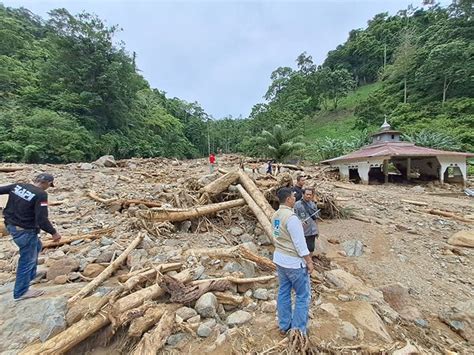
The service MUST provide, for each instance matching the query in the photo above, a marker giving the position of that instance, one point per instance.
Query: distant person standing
(212, 161)
(294, 265)
(269, 167)
(25, 214)
(306, 210)
(298, 188)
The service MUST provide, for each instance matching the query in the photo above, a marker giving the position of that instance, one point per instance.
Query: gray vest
(283, 242)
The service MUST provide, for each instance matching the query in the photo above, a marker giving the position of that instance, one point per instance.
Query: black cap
(46, 177)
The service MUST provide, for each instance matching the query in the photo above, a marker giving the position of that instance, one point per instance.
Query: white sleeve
(295, 228)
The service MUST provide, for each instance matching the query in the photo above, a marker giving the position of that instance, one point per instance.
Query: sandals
(31, 293)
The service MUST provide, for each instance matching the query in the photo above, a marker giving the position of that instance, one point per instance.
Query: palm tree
(280, 144)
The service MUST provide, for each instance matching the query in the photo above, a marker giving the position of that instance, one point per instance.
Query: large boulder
(62, 267)
(463, 239)
(397, 296)
(366, 316)
(353, 247)
(30, 320)
(106, 161)
(460, 318)
(92, 270)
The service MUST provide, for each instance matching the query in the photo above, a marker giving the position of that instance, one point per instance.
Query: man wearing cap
(294, 265)
(25, 214)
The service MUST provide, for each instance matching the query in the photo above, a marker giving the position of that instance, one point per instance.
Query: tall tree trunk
(405, 90)
(445, 88)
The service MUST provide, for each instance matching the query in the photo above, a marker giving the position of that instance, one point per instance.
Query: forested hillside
(70, 93)
(415, 67)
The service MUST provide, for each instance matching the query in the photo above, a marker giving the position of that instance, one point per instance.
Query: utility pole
(208, 136)
(384, 55)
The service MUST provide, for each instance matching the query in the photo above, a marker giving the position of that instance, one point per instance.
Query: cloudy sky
(221, 53)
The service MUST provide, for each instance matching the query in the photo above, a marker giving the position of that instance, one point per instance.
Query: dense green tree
(280, 144)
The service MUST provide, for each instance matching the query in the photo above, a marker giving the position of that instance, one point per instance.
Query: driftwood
(132, 281)
(256, 194)
(234, 252)
(156, 338)
(229, 298)
(9, 169)
(219, 185)
(449, 215)
(237, 280)
(93, 195)
(152, 315)
(108, 271)
(183, 214)
(81, 330)
(290, 166)
(417, 203)
(185, 294)
(257, 211)
(66, 240)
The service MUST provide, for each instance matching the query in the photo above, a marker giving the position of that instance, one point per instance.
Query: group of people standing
(295, 231)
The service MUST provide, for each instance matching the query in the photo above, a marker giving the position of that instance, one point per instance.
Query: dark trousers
(30, 246)
(311, 241)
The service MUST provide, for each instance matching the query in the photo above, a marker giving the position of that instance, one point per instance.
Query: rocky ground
(390, 277)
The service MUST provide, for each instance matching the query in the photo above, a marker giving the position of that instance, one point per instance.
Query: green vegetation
(416, 67)
(68, 93)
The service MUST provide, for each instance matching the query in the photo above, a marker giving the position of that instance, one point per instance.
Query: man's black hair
(299, 177)
(283, 194)
(308, 189)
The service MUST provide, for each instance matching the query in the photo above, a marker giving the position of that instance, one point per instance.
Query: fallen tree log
(449, 215)
(290, 166)
(152, 315)
(67, 339)
(131, 282)
(261, 217)
(185, 294)
(235, 252)
(236, 280)
(256, 194)
(108, 271)
(416, 203)
(66, 240)
(228, 298)
(93, 195)
(156, 338)
(9, 169)
(219, 185)
(183, 214)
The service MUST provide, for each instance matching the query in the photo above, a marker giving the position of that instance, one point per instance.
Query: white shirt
(295, 228)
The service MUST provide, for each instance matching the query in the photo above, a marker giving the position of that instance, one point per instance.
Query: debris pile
(159, 255)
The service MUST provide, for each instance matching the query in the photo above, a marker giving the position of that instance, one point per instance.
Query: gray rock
(136, 258)
(250, 246)
(62, 267)
(93, 253)
(211, 323)
(207, 305)
(236, 231)
(185, 313)
(57, 254)
(238, 318)
(86, 166)
(261, 294)
(232, 266)
(247, 268)
(353, 247)
(204, 331)
(262, 239)
(107, 161)
(175, 339)
(245, 238)
(30, 320)
(77, 242)
(460, 318)
(349, 332)
(104, 241)
(185, 226)
(422, 323)
(194, 320)
(269, 306)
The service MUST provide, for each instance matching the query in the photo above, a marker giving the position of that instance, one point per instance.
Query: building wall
(452, 161)
(363, 168)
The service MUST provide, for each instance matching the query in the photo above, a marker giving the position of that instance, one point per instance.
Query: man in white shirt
(294, 265)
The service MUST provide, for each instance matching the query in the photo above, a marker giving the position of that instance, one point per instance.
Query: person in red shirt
(212, 161)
